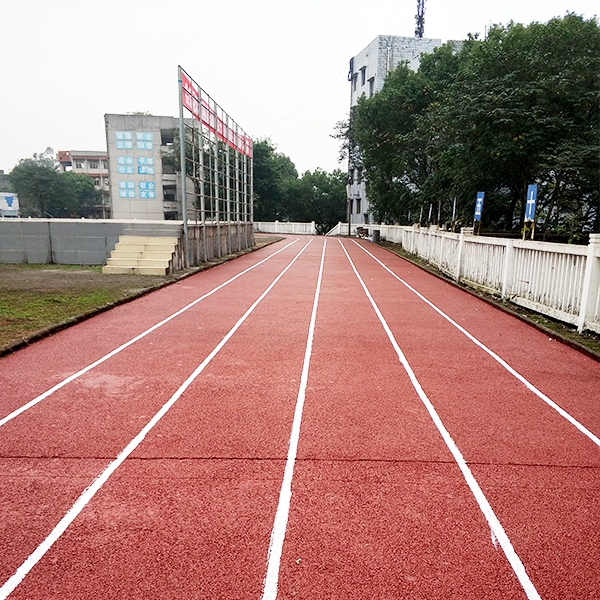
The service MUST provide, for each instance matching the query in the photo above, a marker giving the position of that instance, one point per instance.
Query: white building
(368, 70)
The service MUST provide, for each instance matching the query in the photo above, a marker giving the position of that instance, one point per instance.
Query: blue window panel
(131, 193)
(124, 145)
(125, 160)
(122, 193)
(123, 135)
(152, 195)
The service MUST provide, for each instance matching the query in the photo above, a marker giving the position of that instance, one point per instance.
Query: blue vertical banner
(531, 201)
(479, 206)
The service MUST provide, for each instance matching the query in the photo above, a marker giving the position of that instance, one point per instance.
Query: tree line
(493, 115)
(281, 195)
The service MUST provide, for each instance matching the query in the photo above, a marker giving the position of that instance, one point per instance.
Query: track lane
(185, 435)
(501, 425)
(93, 447)
(539, 358)
(379, 508)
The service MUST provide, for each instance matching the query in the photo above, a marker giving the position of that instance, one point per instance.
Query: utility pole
(420, 17)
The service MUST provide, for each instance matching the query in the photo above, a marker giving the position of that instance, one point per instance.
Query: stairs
(142, 255)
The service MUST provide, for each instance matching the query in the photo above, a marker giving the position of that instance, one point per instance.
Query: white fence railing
(285, 227)
(558, 280)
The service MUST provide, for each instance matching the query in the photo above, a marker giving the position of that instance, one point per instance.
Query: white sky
(278, 67)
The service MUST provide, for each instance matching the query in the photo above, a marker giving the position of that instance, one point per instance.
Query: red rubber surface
(379, 506)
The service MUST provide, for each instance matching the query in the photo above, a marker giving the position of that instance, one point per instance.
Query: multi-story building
(93, 163)
(143, 185)
(368, 70)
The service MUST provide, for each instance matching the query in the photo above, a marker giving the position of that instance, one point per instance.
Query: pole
(182, 173)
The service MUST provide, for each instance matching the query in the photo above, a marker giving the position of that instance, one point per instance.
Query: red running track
(331, 423)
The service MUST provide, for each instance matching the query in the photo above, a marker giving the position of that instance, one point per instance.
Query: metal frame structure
(216, 183)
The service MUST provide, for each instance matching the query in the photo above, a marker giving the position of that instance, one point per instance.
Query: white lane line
(83, 371)
(285, 495)
(513, 372)
(89, 493)
(496, 528)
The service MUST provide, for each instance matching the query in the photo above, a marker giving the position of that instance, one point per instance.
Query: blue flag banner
(531, 200)
(479, 205)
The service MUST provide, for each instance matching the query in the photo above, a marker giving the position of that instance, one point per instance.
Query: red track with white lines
(318, 419)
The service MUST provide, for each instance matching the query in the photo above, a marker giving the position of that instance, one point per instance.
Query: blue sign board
(531, 200)
(479, 205)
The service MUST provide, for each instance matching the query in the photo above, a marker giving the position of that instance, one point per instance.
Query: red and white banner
(207, 112)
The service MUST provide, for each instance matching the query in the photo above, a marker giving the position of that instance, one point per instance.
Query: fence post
(591, 282)
(461, 244)
(509, 267)
(313, 228)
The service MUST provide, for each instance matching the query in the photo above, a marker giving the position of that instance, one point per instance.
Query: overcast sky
(278, 67)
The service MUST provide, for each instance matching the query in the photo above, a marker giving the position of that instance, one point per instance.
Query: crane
(420, 17)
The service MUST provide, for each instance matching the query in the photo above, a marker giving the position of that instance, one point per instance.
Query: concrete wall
(90, 242)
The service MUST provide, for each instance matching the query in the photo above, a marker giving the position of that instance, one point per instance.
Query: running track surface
(313, 428)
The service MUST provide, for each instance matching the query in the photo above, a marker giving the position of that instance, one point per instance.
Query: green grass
(24, 313)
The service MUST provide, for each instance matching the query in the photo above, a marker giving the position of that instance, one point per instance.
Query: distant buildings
(95, 164)
(368, 70)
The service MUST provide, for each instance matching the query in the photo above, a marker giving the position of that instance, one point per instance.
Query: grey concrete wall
(90, 242)
(63, 241)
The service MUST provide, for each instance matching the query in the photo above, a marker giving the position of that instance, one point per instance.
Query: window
(359, 175)
(79, 164)
(105, 165)
(97, 181)
(351, 176)
(358, 206)
(351, 202)
(166, 137)
(371, 86)
(169, 193)
(354, 81)
(93, 164)
(363, 75)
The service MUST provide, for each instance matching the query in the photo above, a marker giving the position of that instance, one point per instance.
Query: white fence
(558, 280)
(285, 227)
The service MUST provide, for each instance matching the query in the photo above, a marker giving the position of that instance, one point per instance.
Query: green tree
(37, 182)
(273, 175)
(320, 197)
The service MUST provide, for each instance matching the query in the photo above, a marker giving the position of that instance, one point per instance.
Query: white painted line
(513, 372)
(83, 371)
(89, 493)
(285, 495)
(496, 528)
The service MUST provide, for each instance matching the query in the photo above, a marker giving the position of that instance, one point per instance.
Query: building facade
(93, 163)
(142, 184)
(368, 70)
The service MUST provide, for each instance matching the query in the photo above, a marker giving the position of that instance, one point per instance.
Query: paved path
(318, 419)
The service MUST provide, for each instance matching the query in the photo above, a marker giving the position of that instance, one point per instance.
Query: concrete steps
(141, 255)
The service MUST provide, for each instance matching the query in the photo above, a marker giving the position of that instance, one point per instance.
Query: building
(93, 163)
(143, 185)
(368, 70)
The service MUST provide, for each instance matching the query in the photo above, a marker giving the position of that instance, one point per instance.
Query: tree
(45, 191)
(320, 197)
(273, 174)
